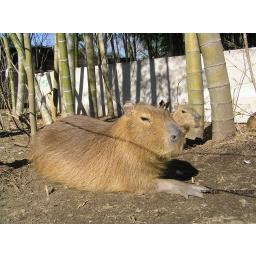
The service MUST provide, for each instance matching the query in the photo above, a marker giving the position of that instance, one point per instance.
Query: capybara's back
(125, 155)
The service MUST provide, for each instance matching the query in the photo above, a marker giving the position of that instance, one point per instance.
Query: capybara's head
(153, 129)
(186, 117)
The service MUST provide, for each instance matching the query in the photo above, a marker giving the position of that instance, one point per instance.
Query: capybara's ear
(167, 104)
(161, 104)
(128, 107)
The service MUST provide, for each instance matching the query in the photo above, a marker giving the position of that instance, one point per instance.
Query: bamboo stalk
(70, 38)
(10, 72)
(26, 60)
(218, 85)
(194, 82)
(91, 74)
(76, 49)
(56, 80)
(105, 73)
(21, 80)
(31, 87)
(65, 81)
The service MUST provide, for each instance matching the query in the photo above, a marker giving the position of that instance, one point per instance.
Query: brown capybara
(251, 122)
(184, 115)
(126, 155)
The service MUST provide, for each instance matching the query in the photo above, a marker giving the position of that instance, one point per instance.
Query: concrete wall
(164, 78)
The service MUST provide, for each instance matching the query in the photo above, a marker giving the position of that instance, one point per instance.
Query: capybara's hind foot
(180, 188)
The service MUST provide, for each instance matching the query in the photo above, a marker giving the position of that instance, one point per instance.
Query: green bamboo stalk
(70, 37)
(47, 119)
(26, 59)
(33, 87)
(65, 80)
(91, 74)
(21, 80)
(105, 73)
(62, 108)
(218, 85)
(55, 79)
(194, 82)
(76, 49)
(10, 72)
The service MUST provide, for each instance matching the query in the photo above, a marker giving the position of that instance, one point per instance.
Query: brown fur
(184, 115)
(125, 155)
(251, 122)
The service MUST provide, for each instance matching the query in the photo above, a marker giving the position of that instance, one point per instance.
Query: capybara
(184, 115)
(126, 155)
(251, 122)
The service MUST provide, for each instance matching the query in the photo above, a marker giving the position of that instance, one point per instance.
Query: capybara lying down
(126, 155)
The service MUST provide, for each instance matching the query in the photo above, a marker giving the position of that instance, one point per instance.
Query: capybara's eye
(145, 119)
(183, 111)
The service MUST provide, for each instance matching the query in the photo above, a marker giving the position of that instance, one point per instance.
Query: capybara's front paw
(180, 188)
(191, 190)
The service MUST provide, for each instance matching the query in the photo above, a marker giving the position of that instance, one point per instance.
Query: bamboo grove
(26, 105)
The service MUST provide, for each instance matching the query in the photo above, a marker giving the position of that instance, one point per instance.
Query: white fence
(163, 78)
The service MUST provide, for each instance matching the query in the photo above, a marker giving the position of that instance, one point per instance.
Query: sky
(47, 39)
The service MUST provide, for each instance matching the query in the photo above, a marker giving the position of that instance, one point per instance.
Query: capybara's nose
(175, 132)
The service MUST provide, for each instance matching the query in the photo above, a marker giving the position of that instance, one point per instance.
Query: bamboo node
(210, 42)
(222, 103)
(215, 65)
(218, 86)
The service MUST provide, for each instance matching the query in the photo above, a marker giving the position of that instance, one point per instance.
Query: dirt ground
(229, 166)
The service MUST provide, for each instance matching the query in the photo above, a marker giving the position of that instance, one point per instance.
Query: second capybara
(251, 122)
(184, 115)
(129, 154)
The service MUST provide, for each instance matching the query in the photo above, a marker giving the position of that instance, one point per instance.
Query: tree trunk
(117, 48)
(124, 37)
(218, 85)
(34, 90)
(76, 49)
(71, 60)
(31, 87)
(105, 73)
(171, 46)
(113, 47)
(21, 80)
(65, 81)
(40, 99)
(194, 82)
(134, 47)
(10, 72)
(130, 48)
(56, 86)
(91, 75)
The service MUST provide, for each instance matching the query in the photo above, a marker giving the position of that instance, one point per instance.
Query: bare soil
(229, 166)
